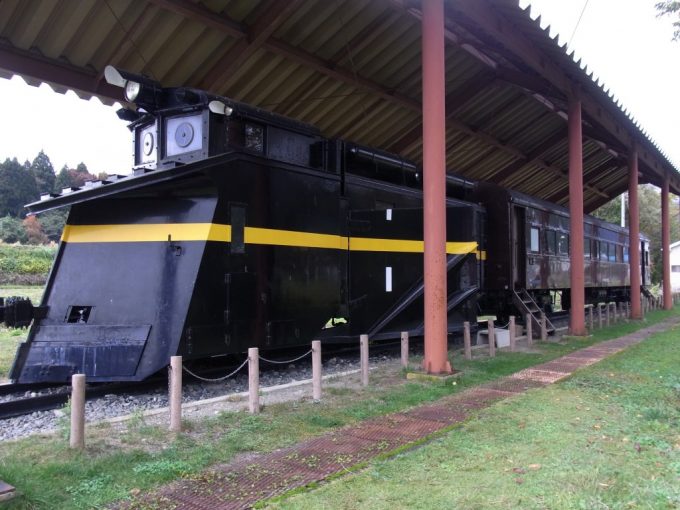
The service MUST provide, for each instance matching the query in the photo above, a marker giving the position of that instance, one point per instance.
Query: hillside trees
(649, 200)
(21, 184)
(17, 188)
(72, 177)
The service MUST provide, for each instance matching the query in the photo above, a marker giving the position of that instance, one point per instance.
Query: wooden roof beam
(592, 205)
(203, 15)
(454, 102)
(272, 14)
(483, 15)
(602, 167)
(558, 172)
(221, 22)
(529, 157)
(57, 73)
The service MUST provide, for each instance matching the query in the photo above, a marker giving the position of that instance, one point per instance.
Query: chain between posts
(218, 379)
(284, 362)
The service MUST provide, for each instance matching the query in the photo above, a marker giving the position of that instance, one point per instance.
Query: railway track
(23, 405)
(31, 404)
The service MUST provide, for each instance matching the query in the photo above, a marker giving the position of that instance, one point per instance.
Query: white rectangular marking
(388, 279)
(388, 214)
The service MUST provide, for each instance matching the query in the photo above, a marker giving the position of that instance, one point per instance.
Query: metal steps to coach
(526, 304)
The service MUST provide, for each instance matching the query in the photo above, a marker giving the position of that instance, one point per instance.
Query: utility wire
(578, 22)
(129, 37)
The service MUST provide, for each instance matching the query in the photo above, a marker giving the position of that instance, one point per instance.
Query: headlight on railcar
(144, 92)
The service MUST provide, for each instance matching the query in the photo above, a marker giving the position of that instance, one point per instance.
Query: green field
(25, 265)
(607, 438)
(118, 464)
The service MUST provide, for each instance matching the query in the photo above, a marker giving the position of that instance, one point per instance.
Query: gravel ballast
(112, 405)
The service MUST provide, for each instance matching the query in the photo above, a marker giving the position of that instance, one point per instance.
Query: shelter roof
(352, 68)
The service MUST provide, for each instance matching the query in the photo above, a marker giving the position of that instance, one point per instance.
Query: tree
(53, 223)
(34, 232)
(11, 230)
(671, 8)
(72, 177)
(649, 200)
(82, 168)
(43, 172)
(17, 188)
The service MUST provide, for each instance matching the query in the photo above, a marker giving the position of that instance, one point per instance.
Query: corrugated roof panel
(118, 41)
(307, 20)
(65, 24)
(30, 20)
(310, 67)
(238, 10)
(359, 33)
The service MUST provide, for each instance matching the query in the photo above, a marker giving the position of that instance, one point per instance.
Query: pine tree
(43, 172)
(17, 188)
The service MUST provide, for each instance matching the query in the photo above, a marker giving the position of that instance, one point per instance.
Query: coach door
(518, 247)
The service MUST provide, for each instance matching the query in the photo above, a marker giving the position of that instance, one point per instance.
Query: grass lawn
(117, 464)
(607, 438)
(11, 338)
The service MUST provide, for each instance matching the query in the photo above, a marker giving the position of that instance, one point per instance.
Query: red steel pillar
(666, 244)
(634, 235)
(577, 317)
(435, 360)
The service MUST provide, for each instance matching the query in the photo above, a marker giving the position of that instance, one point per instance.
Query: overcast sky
(622, 41)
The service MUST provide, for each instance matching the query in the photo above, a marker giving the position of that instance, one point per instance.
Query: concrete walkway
(243, 482)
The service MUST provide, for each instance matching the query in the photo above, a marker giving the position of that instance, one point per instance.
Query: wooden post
(363, 347)
(175, 396)
(628, 309)
(530, 333)
(77, 438)
(599, 315)
(492, 339)
(511, 325)
(316, 369)
(544, 328)
(608, 313)
(590, 317)
(254, 380)
(467, 348)
(404, 349)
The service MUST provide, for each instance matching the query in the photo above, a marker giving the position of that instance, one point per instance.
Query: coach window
(587, 243)
(534, 245)
(626, 257)
(563, 244)
(619, 253)
(551, 241)
(675, 269)
(612, 252)
(594, 250)
(604, 251)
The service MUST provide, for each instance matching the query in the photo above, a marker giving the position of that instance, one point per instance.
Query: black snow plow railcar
(237, 228)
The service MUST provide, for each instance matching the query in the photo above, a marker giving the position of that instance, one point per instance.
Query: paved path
(240, 484)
